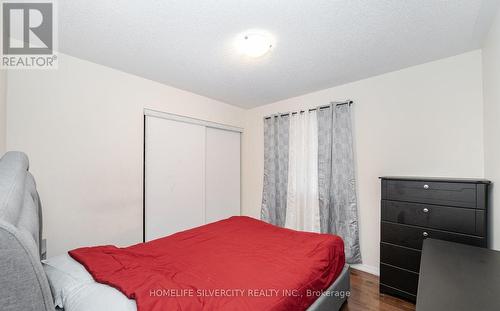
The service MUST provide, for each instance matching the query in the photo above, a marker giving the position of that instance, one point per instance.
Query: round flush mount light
(254, 43)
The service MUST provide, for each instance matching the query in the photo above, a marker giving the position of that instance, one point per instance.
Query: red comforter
(235, 264)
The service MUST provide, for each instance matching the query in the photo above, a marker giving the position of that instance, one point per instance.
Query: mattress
(235, 264)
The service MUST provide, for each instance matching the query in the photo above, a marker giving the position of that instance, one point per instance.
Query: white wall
(424, 120)
(82, 127)
(491, 93)
(3, 111)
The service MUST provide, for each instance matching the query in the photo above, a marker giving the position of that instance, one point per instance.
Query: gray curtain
(276, 131)
(336, 178)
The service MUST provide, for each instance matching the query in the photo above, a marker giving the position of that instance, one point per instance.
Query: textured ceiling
(319, 44)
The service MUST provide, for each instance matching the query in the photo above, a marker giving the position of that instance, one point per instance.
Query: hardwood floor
(365, 296)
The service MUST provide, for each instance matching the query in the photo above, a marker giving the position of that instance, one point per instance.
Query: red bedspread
(235, 264)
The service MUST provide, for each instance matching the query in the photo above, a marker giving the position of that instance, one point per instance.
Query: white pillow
(74, 289)
(64, 274)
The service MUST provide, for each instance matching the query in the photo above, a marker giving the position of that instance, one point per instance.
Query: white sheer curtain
(302, 211)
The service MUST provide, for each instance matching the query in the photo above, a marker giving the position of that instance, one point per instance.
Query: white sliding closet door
(174, 176)
(222, 174)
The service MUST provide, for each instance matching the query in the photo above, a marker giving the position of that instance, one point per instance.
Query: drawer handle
(426, 187)
(425, 234)
(425, 210)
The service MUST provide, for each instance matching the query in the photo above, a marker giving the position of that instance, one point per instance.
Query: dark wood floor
(365, 296)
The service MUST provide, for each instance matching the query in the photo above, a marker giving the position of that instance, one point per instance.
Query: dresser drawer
(398, 278)
(384, 289)
(439, 193)
(455, 219)
(409, 236)
(399, 256)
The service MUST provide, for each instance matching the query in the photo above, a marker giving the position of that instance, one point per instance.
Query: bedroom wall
(424, 120)
(85, 139)
(491, 93)
(3, 110)
(82, 127)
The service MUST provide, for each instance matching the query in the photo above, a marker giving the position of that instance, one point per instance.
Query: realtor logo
(28, 35)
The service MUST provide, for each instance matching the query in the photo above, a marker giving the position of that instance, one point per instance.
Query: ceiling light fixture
(254, 43)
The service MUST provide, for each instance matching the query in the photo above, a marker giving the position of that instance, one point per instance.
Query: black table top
(458, 277)
(438, 179)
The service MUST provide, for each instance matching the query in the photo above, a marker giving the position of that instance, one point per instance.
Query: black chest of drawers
(415, 208)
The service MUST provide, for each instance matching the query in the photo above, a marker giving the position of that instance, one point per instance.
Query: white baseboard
(367, 269)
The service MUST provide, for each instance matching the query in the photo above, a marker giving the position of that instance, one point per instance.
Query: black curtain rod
(348, 102)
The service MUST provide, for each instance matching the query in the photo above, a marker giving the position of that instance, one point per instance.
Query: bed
(33, 286)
